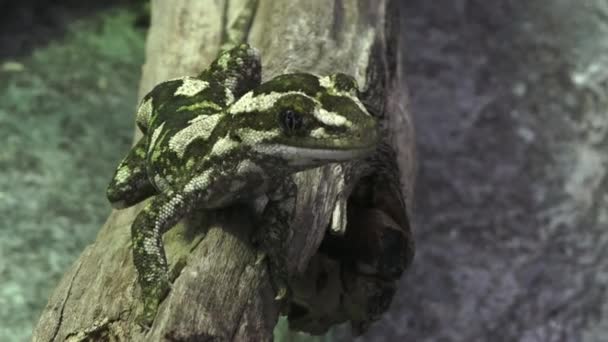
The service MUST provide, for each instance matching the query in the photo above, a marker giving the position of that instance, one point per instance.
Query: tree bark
(223, 292)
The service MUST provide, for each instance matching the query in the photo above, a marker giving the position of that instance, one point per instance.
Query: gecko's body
(222, 137)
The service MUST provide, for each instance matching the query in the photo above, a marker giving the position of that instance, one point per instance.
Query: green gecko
(224, 137)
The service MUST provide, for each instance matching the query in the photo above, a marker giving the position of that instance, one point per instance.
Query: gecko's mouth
(304, 156)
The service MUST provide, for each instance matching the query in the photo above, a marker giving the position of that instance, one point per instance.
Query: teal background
(66, 111)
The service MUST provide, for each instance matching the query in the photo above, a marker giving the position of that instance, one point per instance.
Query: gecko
(224, 137)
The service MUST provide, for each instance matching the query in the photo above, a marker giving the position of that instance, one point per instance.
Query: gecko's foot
(282, 298)
(152, 296)
(283, 294)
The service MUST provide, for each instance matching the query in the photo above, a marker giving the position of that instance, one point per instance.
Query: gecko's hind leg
(274, 236)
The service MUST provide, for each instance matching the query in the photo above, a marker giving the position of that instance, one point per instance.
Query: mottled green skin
(201, 149)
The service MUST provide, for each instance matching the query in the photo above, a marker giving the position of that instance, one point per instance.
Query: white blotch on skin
(191, 86)
(151, 249)
(155, 135)
(331, 118)
(251, 137)
(123, 174)
(248, 103)
(144, 112)
(230, 82)
(223, 146)
(326, 82)
(199, 128)
(319, 133)
(199, 182)
(229, 96)
(166, 212)
(222, 62)
(201, 106)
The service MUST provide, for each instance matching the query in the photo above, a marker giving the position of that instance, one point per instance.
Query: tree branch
(223, 292)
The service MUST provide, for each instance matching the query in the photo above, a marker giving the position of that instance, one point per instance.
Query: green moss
(204, 105)
(306, 83)
(66, 120)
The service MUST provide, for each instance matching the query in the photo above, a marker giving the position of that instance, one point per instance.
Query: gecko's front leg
(164, 211)
(274, 236)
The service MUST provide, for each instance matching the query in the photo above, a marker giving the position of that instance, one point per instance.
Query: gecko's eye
(291, 121)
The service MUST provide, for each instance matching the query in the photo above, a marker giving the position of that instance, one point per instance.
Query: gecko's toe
(281, 294)
(282, 298)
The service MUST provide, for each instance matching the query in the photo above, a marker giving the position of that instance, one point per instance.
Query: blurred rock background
(511, 227)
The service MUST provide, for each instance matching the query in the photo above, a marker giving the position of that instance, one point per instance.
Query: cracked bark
(223, 292)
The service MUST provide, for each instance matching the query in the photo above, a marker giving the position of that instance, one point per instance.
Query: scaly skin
(222, 137)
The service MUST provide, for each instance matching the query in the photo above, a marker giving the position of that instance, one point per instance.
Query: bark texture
(223, 292)
(509, 100)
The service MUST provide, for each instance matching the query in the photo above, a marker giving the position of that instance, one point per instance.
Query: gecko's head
(306, 120)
